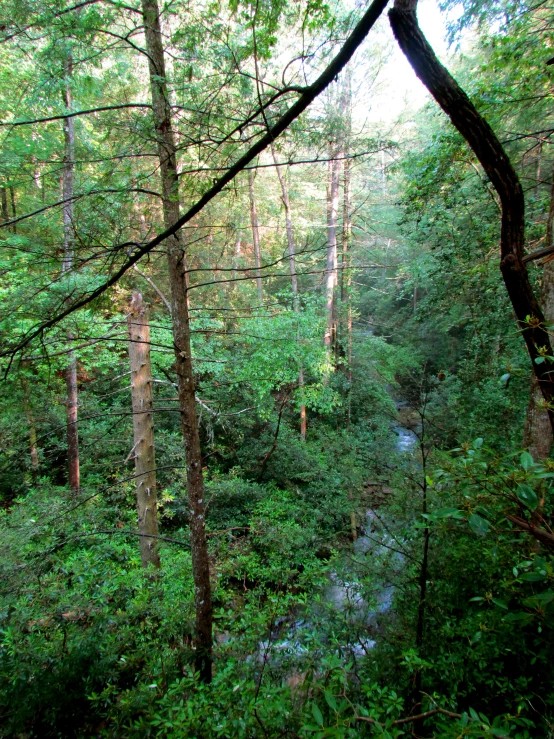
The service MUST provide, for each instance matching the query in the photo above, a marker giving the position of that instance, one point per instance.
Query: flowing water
(343, 595)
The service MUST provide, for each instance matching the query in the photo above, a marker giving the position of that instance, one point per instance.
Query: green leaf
(331, 702)
(520, 617)
(317, 714)
(540, 600)
(500, 603)
(448, 513)
(526, 461)
(533, 577)
(527, 495)
(478, 524)
(478, 443)
(539, 360)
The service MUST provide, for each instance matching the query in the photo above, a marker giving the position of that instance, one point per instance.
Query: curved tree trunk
(490, 153)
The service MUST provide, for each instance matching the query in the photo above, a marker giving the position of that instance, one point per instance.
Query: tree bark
(143, 431)
(288, 220)
(181, 339)
(72, 400)
(331, 268)
(488, 150)
(14, 210)
(537, 437)
(255, 235)
(4, 197)
(346, 281)
(293, 279)
(346, 274)
(33, 450)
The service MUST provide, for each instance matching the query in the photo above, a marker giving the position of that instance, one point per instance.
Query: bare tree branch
(73, 114)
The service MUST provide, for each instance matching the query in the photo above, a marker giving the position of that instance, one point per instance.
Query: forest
(276, 369)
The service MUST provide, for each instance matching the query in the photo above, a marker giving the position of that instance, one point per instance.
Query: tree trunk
(331, 268)
(293, 279)
(73, 471)
(346, 274)
(33, 450)
(288, 219)
(4, 196)
(181, 339)
(14, 210)
(255, 235)
(537, 437)
(72, 403)
(143, 431)
(488, 149)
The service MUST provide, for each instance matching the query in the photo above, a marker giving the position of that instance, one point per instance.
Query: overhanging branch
(489, 151)
(311, 92)
(73, 114)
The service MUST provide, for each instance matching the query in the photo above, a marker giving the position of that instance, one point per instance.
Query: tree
(178, 281)
(497, 166)
(293, 276)
(143, 451)
(72, 401)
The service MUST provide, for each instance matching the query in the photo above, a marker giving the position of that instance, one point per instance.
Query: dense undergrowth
(375, 579)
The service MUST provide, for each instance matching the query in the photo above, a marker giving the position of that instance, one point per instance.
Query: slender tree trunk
(33, 450)
(255, 235)
(181, 339)
(4, 197)
(331, 268)
(14, 210)
(143, 431)
(288, 220)
(293, 278)
(72, 400)
(490, 153)
(537, 435)
(539, 163)
(346, 276)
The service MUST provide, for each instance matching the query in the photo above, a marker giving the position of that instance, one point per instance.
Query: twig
(409, 719)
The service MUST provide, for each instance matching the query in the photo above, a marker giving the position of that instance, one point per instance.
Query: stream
(342, 600)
